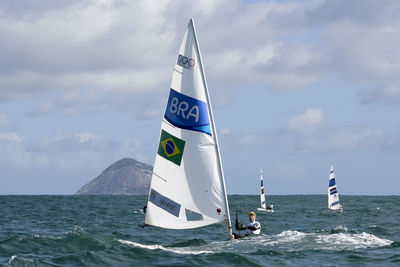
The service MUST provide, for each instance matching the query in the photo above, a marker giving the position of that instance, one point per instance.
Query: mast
(214, 131)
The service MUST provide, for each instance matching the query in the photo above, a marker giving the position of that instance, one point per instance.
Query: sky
(294, 86)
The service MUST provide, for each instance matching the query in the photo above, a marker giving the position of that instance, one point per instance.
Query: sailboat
(264, 207)
(333, 195)
(187, 186)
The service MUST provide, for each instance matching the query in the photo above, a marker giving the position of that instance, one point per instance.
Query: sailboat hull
(339, 210)
(265, 210)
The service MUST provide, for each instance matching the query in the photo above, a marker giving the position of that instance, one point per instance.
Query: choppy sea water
(104, 231)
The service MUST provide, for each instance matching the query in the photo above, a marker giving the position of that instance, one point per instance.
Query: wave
(286, 241)
(17, 260)
(340, 239)
(177, 250)
(192, 242)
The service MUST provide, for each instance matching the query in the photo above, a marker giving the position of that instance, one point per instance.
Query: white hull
(340, 210)
(265, 210)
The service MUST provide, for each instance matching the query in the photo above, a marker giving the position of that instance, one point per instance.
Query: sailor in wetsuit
(251, 228)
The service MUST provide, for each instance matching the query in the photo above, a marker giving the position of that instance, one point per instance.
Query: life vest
(255, 232)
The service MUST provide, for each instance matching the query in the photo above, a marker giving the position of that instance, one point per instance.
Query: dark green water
(103, 231)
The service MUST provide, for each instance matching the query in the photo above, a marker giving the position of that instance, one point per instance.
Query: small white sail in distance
(333, 195)
(187, 185)
(262, 194)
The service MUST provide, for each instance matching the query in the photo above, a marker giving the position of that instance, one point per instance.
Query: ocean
(104, 231)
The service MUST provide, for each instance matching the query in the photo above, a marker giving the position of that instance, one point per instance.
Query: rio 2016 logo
(186, 62)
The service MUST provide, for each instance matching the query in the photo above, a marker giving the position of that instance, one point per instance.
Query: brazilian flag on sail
(171, 147)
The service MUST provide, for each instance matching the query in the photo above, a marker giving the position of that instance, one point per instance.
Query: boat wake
(177, 250)
(338, 240)
(286, 241)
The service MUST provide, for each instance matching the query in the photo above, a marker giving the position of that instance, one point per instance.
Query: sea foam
(183, 251)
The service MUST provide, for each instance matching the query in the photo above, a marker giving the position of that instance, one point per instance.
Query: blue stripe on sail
(164, 203)
(331, 171)
(334, 191)
(335, 203)
(332, 182)
(187, 112)
(262, 183)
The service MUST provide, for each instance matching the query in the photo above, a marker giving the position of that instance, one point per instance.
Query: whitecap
(340, 227)
(288, 237)
(183, 251)
(12, 258)
(298, 241)
(138, 211)
(27, 262)
(344, 241)
(291, 236)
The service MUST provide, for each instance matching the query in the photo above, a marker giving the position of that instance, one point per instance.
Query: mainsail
(333, 195)
(187, 185)
(262, 195)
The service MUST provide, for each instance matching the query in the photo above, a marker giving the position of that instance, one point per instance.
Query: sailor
(270, 207)
(253, 227)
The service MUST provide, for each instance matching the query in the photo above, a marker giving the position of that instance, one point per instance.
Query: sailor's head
(252, 216)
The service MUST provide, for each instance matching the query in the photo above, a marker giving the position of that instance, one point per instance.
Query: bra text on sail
(187, 112)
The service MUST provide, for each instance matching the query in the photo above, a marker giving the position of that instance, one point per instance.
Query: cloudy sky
(295, 85)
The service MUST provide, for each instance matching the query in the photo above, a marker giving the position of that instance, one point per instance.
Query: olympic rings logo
(186, 62)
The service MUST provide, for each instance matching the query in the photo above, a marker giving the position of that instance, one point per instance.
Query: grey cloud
(62, 148)
(77, 45)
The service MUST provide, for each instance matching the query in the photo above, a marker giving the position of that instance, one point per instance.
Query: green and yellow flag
(171, 147)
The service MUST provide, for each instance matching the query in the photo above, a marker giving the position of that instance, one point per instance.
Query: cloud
(4, 121)
(62, 149)
(383, 94)
(97, 46)
(224, 131)
(307, 121)
(13, 137)
(90, 45)
(348, 139)
(338, 140)
(85, 137)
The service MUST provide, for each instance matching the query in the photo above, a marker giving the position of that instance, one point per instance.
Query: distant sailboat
(187, 185)
(264, 207)
(333, 195)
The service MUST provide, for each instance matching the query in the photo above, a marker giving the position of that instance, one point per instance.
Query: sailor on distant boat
(270, 207)
(251, 228)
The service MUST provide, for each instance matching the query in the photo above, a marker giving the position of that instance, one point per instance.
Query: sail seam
(165, 180)
(180, 72)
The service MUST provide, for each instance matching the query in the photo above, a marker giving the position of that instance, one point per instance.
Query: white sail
(333, 195)
(264, 206)
(187, 186)
(262, 195)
